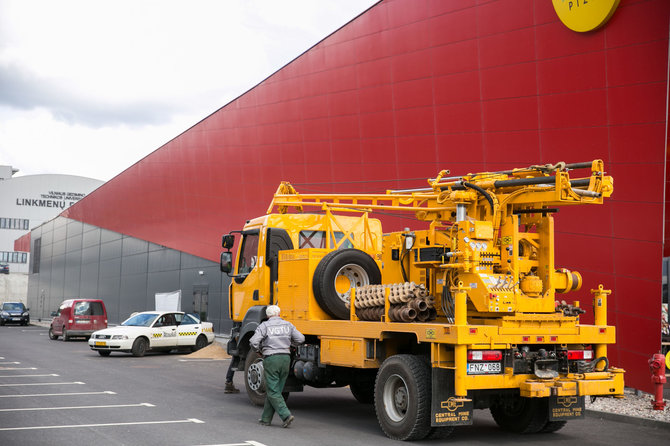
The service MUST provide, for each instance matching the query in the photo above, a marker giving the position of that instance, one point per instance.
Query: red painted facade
(411, 87)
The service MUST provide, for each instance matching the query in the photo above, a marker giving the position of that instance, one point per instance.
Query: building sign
(585, 15)
(52, 199)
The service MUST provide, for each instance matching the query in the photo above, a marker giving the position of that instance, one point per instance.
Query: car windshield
(140, 320)
(12, 307)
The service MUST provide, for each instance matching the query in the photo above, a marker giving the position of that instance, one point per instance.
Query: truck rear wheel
(522, 415)
(402, 397)
(339, 272)
(363, 386)
(553, 426)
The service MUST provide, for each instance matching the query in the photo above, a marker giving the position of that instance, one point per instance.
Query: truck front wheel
(402, 397)
(253, 378)
(523, 415)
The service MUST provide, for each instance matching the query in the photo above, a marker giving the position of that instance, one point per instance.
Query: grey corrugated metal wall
(81, 260)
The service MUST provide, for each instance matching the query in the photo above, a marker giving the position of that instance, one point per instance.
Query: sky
(90, 87)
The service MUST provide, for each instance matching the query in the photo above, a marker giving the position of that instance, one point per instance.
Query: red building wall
(411, 87)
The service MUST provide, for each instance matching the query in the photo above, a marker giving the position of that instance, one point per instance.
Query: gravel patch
(632, 405)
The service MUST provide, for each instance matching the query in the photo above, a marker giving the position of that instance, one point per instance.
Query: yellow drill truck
(430, 323)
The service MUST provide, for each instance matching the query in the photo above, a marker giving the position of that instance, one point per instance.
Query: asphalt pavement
(62, 393)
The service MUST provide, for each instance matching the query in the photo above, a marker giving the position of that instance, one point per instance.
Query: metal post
(460, 350)
(600, 315)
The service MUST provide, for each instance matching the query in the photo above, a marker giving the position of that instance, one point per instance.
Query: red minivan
(78, 317)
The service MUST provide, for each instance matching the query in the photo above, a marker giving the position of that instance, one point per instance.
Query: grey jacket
(275, 336)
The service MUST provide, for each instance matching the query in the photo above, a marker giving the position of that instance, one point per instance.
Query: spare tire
(339, 272)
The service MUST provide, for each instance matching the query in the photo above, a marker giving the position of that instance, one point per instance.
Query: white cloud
(90, 87)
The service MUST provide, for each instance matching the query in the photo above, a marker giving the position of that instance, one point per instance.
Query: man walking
(273, 338)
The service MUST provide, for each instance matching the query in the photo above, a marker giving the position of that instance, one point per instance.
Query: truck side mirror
(226, 262)
(227, 241)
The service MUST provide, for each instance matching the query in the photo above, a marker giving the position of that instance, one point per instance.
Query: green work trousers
(275, 371)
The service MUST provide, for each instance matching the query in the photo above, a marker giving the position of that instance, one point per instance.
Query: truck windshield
(249, 254)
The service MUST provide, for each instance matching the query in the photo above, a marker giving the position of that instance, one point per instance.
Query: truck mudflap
(566, 407)
(447, 409)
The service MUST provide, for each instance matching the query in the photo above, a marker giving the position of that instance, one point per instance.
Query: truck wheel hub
(395, 398)
(255, 376)
(348, 277)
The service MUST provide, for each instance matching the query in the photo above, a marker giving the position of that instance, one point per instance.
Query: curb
(627, 419)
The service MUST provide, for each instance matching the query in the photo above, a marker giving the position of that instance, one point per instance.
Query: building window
(37, 250)
(13, 257)
(14, 223)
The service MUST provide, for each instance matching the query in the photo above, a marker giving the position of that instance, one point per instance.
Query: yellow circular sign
(584, 15)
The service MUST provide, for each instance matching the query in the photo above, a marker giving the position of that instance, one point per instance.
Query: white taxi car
(153, 330)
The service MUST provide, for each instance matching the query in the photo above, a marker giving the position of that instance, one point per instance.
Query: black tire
(52, 336)
(140, 347)
(66, 337)
(402, 397)
(522, 415)
(553, 426)
(200, 343)
(440, 433)
(253, 378)
(352, 264)
(104, 352)
(363, 387)
(2, 322)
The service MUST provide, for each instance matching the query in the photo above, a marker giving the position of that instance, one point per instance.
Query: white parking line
(3, 363)
(26, 376)
(18, 368)
(202, 360)
(106, 392)
(72, 426)
(40, 384)
(79, 407)
(246, 443)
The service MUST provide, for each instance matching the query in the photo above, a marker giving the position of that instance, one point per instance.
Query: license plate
(82, 322)
(100, 344)
(483, 368)
(16, 318)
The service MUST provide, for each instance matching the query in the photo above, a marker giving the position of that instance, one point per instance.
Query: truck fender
(255, 315)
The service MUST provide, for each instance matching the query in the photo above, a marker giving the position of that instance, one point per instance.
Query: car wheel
(2, 322)
(200, 343)
(66, 337)
(52, 336)
(104, 352)
(140, 347)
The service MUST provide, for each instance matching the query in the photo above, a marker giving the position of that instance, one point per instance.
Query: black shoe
(288, 421)
(264, 423)
(230, 388)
